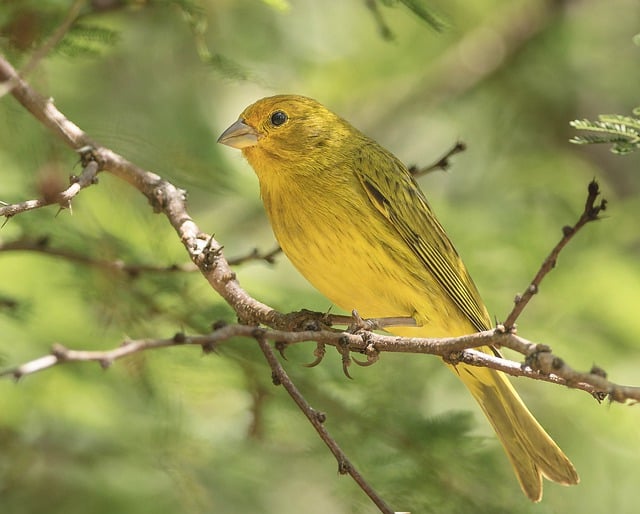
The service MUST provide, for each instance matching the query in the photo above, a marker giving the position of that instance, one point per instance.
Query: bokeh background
(175, 431)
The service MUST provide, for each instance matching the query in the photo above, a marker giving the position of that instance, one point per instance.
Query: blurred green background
(172, 431)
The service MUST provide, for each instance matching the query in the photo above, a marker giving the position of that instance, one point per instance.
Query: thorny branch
(63, 199)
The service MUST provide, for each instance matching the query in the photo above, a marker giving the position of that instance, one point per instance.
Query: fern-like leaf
(621, 132)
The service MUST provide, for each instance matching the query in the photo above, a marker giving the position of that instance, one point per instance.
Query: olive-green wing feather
(398, 198)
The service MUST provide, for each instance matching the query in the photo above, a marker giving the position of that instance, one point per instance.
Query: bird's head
(288, 130)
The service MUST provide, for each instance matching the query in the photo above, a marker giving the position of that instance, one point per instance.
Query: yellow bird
(353, 221)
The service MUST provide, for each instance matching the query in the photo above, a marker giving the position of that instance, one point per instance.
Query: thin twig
(590, 213)
(256, 255)
(43, 246)
(63, 199)
(442, 164)
(317, 420)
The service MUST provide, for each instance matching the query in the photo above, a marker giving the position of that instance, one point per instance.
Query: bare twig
(591, 212)
(317, 419)
(43, 246)
(63, 199)
(9, 210)
(256, 255)
(442, 164)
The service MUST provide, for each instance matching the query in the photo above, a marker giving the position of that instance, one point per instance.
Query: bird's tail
(531, 451)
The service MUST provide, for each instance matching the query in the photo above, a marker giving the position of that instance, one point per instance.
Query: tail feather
(532, 452)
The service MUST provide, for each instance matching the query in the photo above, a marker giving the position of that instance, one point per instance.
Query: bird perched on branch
(351, 218)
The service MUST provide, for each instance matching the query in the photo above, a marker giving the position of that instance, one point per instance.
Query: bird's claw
(343, 349)
(372, 356)
(319, 353)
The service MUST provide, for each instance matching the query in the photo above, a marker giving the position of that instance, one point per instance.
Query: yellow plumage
(351, 218)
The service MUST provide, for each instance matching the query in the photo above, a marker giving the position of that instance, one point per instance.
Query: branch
(256, 255)
(591, 213)
(539, 362)
(87, 178)
(204, 250)
(442, 163)
(43, 246)
(317, 419)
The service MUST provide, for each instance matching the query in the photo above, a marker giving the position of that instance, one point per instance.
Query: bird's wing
(395, 194)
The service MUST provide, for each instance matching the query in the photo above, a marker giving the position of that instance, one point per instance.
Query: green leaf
(623, 132)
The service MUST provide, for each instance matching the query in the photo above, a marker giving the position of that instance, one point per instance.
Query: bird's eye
(278, 118)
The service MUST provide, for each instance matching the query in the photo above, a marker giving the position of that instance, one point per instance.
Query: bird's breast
(341, 244)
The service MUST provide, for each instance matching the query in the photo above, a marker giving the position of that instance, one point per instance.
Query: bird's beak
(239, 135)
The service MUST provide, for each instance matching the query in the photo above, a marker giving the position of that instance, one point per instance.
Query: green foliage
(622, 132)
